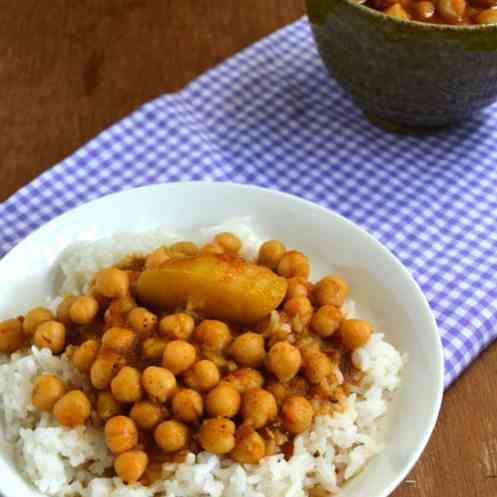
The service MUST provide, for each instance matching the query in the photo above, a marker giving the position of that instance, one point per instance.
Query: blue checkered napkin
(271, 116)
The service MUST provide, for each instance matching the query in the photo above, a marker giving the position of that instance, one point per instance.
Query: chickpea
(117, 312)
(52, 335)
(244, 379)
(84, 310)
(47, 390)
(249, 448)
(296, 414)
(153, 349)
(202, 376)
(34, 318)
(396, 10)
(118, 339)
(284, 361)
(259, 407)
(424, 10)
(131, 465)
(187, 248)
(326, 320)
(317, 367)
(156, 258)
(451, 10)
(159, 383)
(217, 435)
(73, 409)
(112, 282)
(188, 406)
(121, 434)
(280, 391)
(355, 333)
(212, 249)
(230, 242)
(103, 302)
(126, 385)
(223, 401)
(142, 321)
(179, 356)
(293, 264)
(147, 415)
(215, 335)
(488, 16)
(11, 336)
(172, 436)
(105, 367)
(271, 253)
(63, 309)
(177, 326)
(297, 287)
(248, 349)
(301, 307)
(84, 356)
(331, 290)
(118, 305)
(107, 406)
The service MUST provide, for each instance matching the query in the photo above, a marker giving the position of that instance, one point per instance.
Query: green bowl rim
(470, 28)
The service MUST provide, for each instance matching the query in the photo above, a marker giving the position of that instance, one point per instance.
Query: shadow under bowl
(405, 72)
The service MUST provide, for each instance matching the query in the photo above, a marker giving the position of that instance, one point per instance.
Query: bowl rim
(422, 26)
(319, 210)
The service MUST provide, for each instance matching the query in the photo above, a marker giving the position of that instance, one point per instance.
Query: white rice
(63, 462)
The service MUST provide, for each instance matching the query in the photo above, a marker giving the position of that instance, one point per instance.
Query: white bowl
(382, 288)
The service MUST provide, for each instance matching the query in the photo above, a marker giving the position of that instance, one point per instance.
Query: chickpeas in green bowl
(453, 12)
(413, 63)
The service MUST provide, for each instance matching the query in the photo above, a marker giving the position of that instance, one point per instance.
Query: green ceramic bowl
(406, 72)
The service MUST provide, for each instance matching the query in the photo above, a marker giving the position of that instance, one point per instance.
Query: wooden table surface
(70, 69)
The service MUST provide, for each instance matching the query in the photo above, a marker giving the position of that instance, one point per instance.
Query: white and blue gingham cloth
(271, 116)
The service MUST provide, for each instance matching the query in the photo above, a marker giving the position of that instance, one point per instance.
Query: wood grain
(70, 69)
(461, 458)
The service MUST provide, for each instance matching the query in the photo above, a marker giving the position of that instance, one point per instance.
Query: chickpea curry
(453, 12)
(195, 348)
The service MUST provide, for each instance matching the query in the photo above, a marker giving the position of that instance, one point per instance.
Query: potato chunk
(220, 287)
